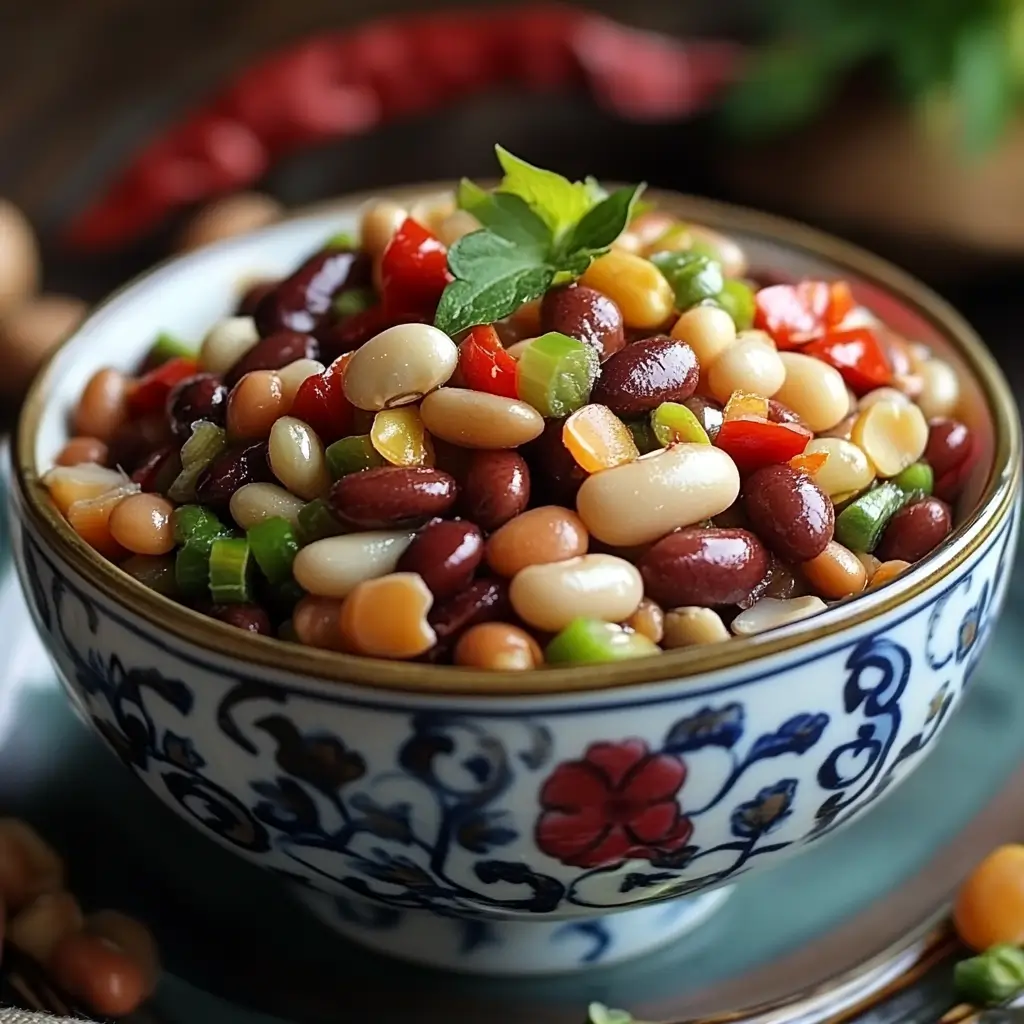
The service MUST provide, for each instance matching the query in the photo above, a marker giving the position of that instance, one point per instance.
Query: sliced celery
(737, 299)
(590, 641)
(190, 521)
(206, 443)
(861, 524)
(693, 276)
(673, 422)
(274, 546)
(917, 479)
(316, 521)
(230, 580)
(556, 373)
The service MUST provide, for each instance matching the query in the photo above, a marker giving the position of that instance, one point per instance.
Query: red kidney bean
(915, 531)
(708, 412)
(135, 441)
(299, 302)
(789, 512)
(704, 567)
(202, 397)
(496, 488)
(233, 469)
(949, 445)
(553, 469)
(272, 353)
(781, 582)
(158, 470)
(584, 314)
(254, 295)
(446, 553)
(390, 495)
(779, 413)
(482, 601)
(250, 617)
(645, 374)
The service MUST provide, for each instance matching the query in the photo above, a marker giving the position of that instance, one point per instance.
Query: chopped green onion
(192, 566)
(861, 524)
(643, 436)
(354, 300)
(673, 422)
(917, 479)
(352, 454)
(188, 521)
(993, 977)
(155, 572)
(693, 276)
(316, 521)
(167, 347)
(556, 373)
(737, 299)
(341, 240)
(590, 641)
(274, 547)
(230, 581)
(206, 443)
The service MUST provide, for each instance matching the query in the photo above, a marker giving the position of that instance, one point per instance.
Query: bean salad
(544, 424)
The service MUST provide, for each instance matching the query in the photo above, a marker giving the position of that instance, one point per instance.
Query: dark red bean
(779, 413)
(393, 494)
(482, 601)
(708, 412)
(446, 553)
(300, 302)
(554, 471)
(233, 469)
(782, 582)
(496, 488)
(584, 314)
(250, 617)
(254, 295)
(789, 512)
(135, 441)
(704, 567)
(272, 353)
(645, 374)
(949, 445)
(202, 397)
(915, 531)
(159, 469)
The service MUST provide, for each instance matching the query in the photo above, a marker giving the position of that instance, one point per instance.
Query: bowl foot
(486, 946)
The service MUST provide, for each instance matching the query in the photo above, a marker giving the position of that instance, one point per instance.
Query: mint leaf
(483, 252)
(470, 197)
(602, 224)
(560, 203)
(506, 215)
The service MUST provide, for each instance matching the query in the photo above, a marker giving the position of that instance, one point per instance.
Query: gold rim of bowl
(317, 666)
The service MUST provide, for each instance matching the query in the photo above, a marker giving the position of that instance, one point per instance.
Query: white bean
(847, 470)
(226, 343)
(252, 503)
(940, 389)
(686, 627)
(747, 365)
(297, 458)
(771, 612)
(475, 419)
(709, 331)
(335, 566)
(882, 395)
(815, 391)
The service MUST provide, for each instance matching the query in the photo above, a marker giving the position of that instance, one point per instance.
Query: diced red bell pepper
(858, 355)
(414, 272)
(486, 366)
(794, 313)
(149, 394)
(753, 444)
(321, 402)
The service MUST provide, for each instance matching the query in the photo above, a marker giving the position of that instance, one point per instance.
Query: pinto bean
(790, 512)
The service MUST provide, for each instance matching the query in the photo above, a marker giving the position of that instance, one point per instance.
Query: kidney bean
(133, 442)
(299, 302)
(782, 582)
(202, 397)
(446, 553)
(542, 535)
(708, 413)
(704, 567)
(89, 968)
(645, 374)
(496, 488)
(584, 314)
(250, 617)
(789, 512)
(915, 531)
(949, 445)
(481, 601)
(553, 467)
(253, 296)
(272, 353)
(390, 495)
(779, 413)
(232, 470)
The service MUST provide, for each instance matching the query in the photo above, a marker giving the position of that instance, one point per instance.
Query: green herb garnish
(993, 977)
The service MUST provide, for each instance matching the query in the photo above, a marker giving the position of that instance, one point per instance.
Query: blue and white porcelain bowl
(531, 822)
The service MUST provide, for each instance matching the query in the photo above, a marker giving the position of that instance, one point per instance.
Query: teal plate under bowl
(237, 949)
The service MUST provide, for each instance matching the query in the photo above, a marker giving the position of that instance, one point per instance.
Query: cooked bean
(708, 412)
(274, 352)
(82, 449)
(770, 613)
(390, 495)
(546, 534)
(387, 617)
(915, 531)
(882, 395)
(380, 221)
(888, 571)
(553, 467)
(317, 623)
(456, 225)
(870, 563)
(135, 440)
(498, 647)
(708, 330)
(584, 314)
(399, 366)
(843, 429)
(940, 389)
(253, 295)
(37, 928)
(782, 582)
(686, 627)
(815, 391)
(496, 488)
(91, 969)
(648, 619)
(481, 601)
(248, 617)
(949, 445)
(253, 503)
(789, 512)
(103, 406)
(704, 567)
(232, 470)
(297, 458)
(601, 587)
(645, 374)
(295, 374)
(847, 469)
(891, 435)
(475, 419)
(132, 938)
(254, 403)
(644, 500)
(635, 285)
(335, 566)
(226, 343)
(445, 553)
(28, 865)
(142, 524)
(836, 573)
(158, 470)
(202, 397)
(748, 365)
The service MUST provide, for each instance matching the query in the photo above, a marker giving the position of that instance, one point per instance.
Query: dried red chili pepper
(857, 354)
(753, 444)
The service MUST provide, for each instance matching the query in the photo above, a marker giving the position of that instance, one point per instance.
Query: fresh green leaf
(470, 196)
(598, 193)
(983, 85)
(560, 203)
(482, 251)
(602, 224)
(465, 304)
(510, 217)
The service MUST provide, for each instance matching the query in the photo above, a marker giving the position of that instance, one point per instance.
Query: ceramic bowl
(527, 822)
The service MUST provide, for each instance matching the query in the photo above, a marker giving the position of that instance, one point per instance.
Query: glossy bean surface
(82, 449)
(202, 397)
(474, 419)
(498, 647)
(387, 617)
(584, 314)
(483, 600)
(254, 405)
(253, 503)
(297, 458)
(232, 470)
(836, 573)
(445, 553)
(335, 566)
(949, 445)
(915, 531)
(103, 406)
(541, 535)
(645, 374)
(141, 523)
(789, 512)
(391, 495)
(495, 488)
(273, 353)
